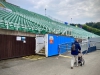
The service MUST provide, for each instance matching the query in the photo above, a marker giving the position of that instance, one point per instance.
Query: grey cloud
(80, 10)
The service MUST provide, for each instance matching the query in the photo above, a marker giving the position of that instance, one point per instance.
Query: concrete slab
(51, 66)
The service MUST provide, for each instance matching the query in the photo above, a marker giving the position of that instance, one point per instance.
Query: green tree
(91, 29)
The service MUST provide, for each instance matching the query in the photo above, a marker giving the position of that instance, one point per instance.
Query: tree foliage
(94, 25)
(91, 29)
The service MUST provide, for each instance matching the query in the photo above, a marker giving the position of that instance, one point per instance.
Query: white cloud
(81, 11)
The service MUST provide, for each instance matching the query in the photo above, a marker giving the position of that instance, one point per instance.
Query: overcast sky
(81, 11)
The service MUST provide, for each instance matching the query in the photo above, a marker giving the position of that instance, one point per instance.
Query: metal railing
(63, 48)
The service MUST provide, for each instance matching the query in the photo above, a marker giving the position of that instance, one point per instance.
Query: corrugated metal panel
(11, 48)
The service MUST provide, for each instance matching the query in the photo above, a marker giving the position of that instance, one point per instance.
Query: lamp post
(71, 20)
(45, 11)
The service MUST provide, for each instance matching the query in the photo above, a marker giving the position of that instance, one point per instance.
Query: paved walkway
(51, 66)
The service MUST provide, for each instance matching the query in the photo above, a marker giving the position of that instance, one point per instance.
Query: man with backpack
(75, 49)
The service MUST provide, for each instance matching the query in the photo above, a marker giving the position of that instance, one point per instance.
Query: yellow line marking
(65, 56)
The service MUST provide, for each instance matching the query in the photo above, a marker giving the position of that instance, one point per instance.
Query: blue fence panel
(54, 41)
(91, 49)
(52, 46)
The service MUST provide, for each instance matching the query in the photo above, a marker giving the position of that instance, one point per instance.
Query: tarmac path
(51, 66)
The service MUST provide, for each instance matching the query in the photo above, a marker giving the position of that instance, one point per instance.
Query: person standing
(88, 43)
(75, 49)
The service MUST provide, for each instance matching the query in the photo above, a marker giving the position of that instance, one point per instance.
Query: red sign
(51, 40)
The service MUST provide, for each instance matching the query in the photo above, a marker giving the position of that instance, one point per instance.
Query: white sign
(18, 38)
(24, 41)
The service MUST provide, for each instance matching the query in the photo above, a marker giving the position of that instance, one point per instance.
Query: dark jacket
(77, 48)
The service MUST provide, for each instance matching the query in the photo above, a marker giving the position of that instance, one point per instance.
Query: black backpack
(73, 47)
